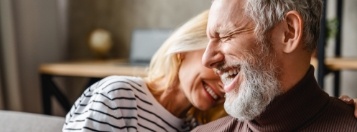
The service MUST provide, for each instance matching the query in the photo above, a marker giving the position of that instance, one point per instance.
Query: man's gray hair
(267, 13)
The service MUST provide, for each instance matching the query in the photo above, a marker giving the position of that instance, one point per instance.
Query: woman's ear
(292, 31)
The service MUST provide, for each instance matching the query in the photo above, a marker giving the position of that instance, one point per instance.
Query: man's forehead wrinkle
(235, 23)
(226, 28)
(233, 15)
(230, 17)
(230, 21)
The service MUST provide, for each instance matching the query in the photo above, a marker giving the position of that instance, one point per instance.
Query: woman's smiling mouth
(210, 91)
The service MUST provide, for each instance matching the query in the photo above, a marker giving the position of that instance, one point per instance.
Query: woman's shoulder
(111, 83)
(122, 79)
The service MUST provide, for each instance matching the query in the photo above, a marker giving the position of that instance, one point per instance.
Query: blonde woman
(178, 93)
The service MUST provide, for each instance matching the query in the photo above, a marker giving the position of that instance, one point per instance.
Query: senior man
(261, 49)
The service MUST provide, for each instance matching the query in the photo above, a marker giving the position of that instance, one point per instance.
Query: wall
(349, 83)
(36, 31)
(2, 106)
(9, 66)
(349, 46)
(120, 17)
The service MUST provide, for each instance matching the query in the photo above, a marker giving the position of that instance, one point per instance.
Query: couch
(12, 121)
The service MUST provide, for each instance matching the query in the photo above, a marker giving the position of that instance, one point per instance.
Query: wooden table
(90, 69)
(337, 64)
(345, 63)
(334, 65)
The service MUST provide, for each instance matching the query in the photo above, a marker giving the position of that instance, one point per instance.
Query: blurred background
(36, 32)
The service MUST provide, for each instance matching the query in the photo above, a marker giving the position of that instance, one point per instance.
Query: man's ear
(293, 31)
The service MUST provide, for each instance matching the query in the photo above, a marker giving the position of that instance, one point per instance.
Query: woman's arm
(350, 101)
(100, 108)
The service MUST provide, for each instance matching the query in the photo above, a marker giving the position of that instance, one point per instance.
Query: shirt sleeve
(108, 105)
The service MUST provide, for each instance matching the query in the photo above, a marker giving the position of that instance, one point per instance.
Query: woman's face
(201, 86)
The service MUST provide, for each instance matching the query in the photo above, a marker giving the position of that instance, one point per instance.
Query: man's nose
(212, 55)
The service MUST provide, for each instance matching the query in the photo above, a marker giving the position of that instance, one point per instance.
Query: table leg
(61, 98)
(46, 94)
(49, 89)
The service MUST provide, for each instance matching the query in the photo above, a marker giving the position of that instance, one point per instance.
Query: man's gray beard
(258, 89)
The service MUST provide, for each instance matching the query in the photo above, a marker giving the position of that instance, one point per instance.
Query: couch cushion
(11, 121)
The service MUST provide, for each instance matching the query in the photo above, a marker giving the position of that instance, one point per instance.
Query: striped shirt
(120, 103)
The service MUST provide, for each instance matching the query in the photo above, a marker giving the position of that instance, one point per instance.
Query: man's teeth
(232, 72)
(210, 91)
(228, 77)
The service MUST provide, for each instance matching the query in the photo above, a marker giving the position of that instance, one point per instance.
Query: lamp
(100, 42)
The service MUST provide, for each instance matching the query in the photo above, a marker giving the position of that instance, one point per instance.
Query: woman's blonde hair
(165, 64)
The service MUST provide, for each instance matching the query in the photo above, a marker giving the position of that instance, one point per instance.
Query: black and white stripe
(119, 103)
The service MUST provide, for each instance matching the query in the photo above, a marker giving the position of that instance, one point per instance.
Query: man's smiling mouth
(230, 73)
(229, 76)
